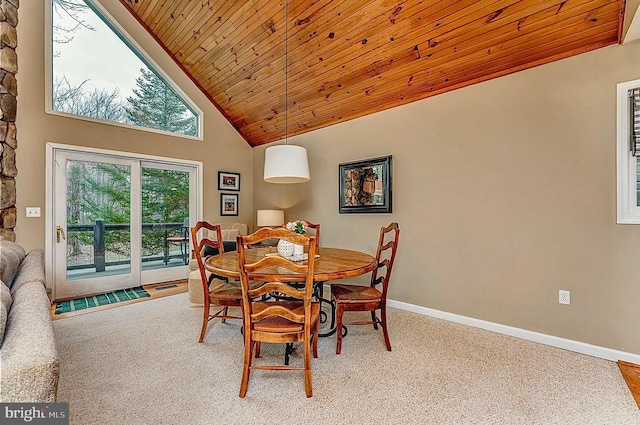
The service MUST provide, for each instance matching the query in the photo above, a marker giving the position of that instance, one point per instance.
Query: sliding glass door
(119, 221)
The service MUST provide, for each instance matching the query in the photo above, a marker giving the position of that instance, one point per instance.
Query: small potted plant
(289, 249)
(299, 227)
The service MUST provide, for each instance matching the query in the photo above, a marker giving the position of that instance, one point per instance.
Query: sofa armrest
(31, 270)
(30, 364)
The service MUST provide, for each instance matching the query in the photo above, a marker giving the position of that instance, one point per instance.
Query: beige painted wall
(631, 9)
(505, 193)
(222, 148)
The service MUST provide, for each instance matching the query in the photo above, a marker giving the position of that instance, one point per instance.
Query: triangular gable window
(97, 72)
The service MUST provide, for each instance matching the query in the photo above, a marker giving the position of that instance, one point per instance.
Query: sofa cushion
(5, 304)
(230, 234)
(208, 250)
(227, 234)
(241, 227)
(11, 255)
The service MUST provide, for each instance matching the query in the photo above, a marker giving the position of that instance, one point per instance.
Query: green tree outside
(156, 105)
(103, 191)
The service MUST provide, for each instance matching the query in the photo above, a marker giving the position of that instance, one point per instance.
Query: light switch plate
(33, 211)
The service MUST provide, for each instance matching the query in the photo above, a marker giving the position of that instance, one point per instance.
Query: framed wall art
(228, 204)
(228, 181)
(365, 186)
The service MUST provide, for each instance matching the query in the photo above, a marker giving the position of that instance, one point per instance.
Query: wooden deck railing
(100, 229)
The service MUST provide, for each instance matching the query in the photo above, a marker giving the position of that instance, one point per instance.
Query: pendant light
(286, 163)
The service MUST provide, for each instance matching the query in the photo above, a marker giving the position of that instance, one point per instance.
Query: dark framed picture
(228, 181)
(228, 204)
(365, 186)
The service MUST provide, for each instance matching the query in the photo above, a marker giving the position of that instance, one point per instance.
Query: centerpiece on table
(290, 249)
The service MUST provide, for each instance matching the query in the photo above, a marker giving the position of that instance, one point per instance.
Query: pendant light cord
(286, 72)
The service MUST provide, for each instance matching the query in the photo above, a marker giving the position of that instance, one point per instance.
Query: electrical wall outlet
(33, 211)
(564, 297)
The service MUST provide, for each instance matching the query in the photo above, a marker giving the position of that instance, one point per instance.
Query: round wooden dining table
(331, 264)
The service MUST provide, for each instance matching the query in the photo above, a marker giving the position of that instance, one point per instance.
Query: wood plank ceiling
(352, 58)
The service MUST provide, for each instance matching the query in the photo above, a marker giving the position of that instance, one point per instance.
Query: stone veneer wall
(8, 106)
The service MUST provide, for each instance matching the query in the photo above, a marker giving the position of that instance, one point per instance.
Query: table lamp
(270, 218)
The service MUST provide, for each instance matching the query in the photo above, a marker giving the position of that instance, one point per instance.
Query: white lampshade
(286, 164)
(270, 218)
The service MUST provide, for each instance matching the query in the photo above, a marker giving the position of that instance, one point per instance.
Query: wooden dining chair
(310, 225)
(217, 291)
(316, 229)
(281, 321)
(319, 288)
(369, 298)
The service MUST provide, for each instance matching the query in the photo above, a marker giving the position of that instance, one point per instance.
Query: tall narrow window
(634, 121)
(97, 72)
(628, 152)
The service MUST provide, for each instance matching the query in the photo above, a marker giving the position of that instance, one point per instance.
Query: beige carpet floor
(141, 364)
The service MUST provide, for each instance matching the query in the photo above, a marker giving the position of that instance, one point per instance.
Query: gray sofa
(29, 365)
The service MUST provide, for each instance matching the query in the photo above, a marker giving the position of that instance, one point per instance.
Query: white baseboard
(554, 341)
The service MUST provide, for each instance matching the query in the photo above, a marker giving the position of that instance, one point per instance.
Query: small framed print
(228, 204)
(228, 181)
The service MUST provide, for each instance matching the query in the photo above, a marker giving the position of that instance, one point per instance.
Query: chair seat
(355, 293)
(278, 324)
(223, 290)
(176, 239)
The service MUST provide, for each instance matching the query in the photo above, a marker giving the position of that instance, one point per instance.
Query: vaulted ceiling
(347, 59)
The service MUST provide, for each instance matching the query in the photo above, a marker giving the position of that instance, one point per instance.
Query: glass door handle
(60, 234)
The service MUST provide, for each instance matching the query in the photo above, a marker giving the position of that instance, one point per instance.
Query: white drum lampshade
(270, 218)
(286, 164)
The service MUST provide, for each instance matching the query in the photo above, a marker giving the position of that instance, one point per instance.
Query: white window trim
(628, 210)
(136, 48)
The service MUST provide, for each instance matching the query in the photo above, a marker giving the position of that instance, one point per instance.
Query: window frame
(126, 38)
(628, 211)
